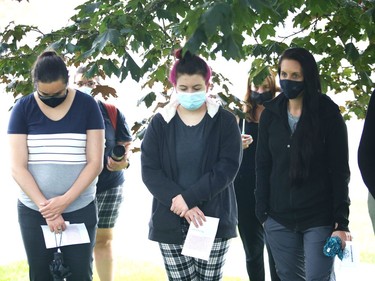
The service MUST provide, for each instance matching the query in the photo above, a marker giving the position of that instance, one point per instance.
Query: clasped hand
(180, 208)
(52, 208)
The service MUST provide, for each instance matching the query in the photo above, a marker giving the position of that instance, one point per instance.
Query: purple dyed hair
(189, 64)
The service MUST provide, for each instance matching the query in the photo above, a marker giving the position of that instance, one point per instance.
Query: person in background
(56, 139)
(250, 229)
(302, 172)
(109, 188)
(366, 156)
(190, 155)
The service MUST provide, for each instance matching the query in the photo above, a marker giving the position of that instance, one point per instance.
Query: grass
(125, 270)
(144, 271)
(14, 271)
(135, 270)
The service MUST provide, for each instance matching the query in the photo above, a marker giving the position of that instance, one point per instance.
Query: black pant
(251, 231)
(77, 257)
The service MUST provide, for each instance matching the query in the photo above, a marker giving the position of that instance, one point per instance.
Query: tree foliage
(137, 37)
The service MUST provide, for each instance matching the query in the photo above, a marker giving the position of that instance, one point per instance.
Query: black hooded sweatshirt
(322, 199)
(366, 150)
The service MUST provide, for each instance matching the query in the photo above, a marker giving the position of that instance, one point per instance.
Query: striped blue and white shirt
(57, 149)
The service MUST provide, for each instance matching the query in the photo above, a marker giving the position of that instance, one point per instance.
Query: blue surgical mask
(85, 90)
(191, 101)
(291, 89)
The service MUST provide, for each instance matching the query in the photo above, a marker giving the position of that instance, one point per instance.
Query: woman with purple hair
(191, 153)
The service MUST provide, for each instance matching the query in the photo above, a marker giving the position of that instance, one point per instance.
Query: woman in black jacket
(250, 229)
(191, 153)
(366, 156)
(302, 172)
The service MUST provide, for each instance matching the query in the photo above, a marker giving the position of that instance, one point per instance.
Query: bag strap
(112, 113)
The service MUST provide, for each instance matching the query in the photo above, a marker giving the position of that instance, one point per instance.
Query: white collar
(169, 111)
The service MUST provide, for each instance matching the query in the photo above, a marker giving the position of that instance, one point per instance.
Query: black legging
(77, 257)
(250, 229)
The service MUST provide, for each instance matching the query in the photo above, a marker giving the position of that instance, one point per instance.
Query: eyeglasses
(89, 83)
(47, 96)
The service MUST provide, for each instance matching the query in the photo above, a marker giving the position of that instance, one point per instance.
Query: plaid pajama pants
(185, 268)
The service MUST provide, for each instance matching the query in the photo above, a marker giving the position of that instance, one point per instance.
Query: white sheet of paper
(75, 233)
(199, 241)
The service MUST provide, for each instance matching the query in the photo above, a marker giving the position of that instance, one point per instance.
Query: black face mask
(260, 98)
(52, 101)
(291, 88)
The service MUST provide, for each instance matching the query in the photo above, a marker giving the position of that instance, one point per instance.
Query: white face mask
(85, 90)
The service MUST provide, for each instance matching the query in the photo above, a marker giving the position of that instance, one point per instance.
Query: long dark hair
(306, 134)
(49, 67)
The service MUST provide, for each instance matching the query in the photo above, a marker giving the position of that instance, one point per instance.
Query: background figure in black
(366, 156)
(250, 229)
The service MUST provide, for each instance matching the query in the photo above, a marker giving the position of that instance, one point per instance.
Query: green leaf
(100, 42)
(58, 44)
(165, 14)
(217, 16)
(92, 71)
(110, 68)
(352, 53)
(365, 78)
(194, 43)
(259, 71)
(260, 5)
(232, 49)
(319, 7)
(70, 48)
(3, 47)
(89, 8)
(133, 68)
(148, 99)
(110, 35)
(265, 31)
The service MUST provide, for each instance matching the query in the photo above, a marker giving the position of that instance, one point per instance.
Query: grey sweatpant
(299, 254)
(371, 209)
